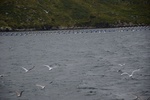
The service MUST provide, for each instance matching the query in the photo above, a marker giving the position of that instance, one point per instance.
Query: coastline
(9, 29)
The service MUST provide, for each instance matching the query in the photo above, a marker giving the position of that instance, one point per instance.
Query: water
(87, 58)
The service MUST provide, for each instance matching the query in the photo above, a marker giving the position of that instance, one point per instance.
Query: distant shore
(9, 29)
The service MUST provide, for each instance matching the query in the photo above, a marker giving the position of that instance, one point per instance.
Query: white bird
(137, 97)
(121, 64)
(49, 68)
(19, 93)
(42, 86)
(130, 75)
(26, 70)
(45, 11)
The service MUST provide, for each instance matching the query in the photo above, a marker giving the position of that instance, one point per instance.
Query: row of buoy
(30, 33)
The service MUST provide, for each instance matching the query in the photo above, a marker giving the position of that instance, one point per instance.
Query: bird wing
(40, 86)
(124, 73)
(135, 71)
(19, 93)
(24, 69)
(48, 67)
(31, 68)
(120, 64)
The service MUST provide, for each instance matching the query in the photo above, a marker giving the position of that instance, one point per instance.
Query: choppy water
(87, 64)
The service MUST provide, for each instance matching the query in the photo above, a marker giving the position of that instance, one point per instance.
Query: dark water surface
(87, 64)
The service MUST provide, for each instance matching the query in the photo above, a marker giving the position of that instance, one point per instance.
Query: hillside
(58, 14)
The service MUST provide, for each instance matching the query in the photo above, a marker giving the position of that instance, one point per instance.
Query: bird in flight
(26, 70)
(42, 86)
(130, 75)
(19, 94)
(49, 68)
(121, 64)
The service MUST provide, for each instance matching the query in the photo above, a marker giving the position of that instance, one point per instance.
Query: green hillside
(51, 14)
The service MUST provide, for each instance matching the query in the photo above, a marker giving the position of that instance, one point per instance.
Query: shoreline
(65, 28)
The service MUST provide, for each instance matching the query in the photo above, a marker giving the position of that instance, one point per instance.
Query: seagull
(121, 64)
(130, 75)
(40, 86)
(49, 68)
(45, 11)
(136, 97)
(19, 93)
(26, 70)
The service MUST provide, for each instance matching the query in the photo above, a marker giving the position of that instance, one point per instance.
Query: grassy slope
(42, 14)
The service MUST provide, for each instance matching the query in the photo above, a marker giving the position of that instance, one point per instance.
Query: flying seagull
(137, 97)
(121, 64)
(130, 75)
(26, 70)
(49, 68)
(19, 94)
(40, 86)
(45, 11)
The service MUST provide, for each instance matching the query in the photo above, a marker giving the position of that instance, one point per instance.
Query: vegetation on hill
(58, 14)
